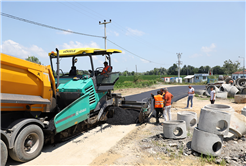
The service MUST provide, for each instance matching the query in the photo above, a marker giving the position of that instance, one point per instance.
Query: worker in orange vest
(106, 69)
(158, 101)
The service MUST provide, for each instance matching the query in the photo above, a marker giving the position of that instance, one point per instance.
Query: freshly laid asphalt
(178, 93)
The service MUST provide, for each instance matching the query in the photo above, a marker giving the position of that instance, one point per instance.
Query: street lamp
(243, 64)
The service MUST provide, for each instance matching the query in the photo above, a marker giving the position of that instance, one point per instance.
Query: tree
(173, 70)
(230, 67)
(33, 59)
(218, 70)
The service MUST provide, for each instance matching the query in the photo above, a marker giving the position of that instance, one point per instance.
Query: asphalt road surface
(178, 93)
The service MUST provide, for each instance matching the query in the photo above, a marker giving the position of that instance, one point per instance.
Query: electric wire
(134, 54)
(47, 26)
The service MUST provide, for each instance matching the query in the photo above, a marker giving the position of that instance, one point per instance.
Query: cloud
(209, 49)
(116, 34)
(144, 61)
(131, 56)
(15, 49)
(68, 32)
(123, 52)
(77, 44)
(195, 55)
(115, 60)
(134, 32)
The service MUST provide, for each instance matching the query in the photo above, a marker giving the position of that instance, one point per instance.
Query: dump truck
(40, 105)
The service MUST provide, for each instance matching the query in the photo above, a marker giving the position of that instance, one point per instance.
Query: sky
(206, 33)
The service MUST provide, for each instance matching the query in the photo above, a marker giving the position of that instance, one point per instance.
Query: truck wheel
(4, 153)
(28, 144)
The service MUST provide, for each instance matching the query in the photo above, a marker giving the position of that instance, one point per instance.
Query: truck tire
(28, 144)
(4, 153)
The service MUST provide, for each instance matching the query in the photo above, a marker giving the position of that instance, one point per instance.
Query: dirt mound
(123, 117)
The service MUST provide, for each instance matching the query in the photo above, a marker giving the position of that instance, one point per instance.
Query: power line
(133, 53)
(47, 26)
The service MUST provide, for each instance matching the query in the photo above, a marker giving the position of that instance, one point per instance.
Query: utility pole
(243, 64)
(105, 36)
(179, 63)
(136, 70)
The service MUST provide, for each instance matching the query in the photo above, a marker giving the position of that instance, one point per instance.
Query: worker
(212, 95)
(106, 69)
(158, 101)
(167, 101)
(162, 92)
(190, 97)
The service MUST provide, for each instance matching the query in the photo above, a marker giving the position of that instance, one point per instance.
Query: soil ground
(128, 150)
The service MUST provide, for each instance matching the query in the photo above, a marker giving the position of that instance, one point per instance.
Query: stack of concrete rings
(174, 129)
(208, 136)
(189, 117)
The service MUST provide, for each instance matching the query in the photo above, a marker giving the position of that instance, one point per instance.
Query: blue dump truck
(74, 101)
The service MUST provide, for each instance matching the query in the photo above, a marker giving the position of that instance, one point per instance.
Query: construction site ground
(126, 144)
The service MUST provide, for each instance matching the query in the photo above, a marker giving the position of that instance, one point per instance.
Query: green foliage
(223, 162)
(173, 70)
(33, 59)
(135, 78)
(230, 67)
(210, 159)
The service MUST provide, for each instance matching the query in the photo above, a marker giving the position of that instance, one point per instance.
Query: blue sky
(206, 33)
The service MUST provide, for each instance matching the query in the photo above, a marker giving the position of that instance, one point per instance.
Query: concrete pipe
(229, 80)
(240, 98)
(236, 81)
(232, 90)
(241, 82)
(225, 87)
(238, 124)
(243, 91)
(220, 107)
(243, 111)
(189, 117)
(175, 129)
(206, 143)
(208, 89)
(222, 95)
(200, 92)
(214, 121)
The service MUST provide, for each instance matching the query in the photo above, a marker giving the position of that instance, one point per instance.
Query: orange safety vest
(105, 69)
(158, 101)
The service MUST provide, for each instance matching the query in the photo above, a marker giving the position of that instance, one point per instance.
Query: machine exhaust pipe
(58, 67)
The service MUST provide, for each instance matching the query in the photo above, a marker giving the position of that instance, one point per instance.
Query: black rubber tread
(18, 153)
(4, 153)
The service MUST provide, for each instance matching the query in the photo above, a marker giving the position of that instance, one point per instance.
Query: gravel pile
(123, 117)
(233, 151)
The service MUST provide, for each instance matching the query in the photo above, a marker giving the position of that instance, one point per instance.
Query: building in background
(201, 77)
(166, 79)
(189, 78)
(238, 74)
(176, 79)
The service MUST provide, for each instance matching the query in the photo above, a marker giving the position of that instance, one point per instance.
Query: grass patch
(223, 162)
